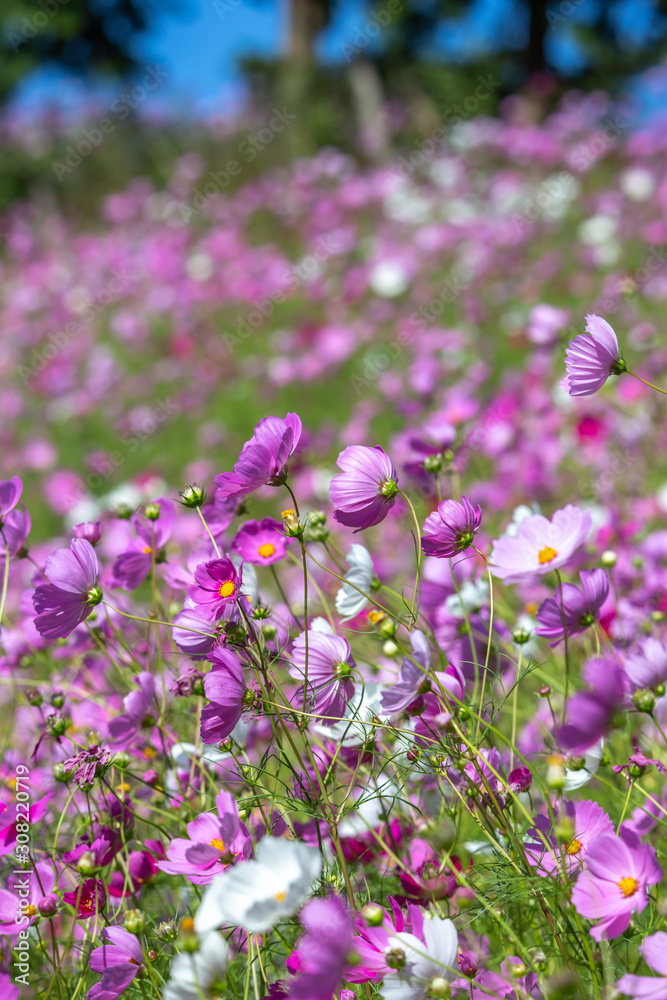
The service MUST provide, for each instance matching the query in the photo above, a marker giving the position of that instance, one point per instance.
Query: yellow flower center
(574, 846)
(266, 550)
(30, 911)
(290, 512)
(218, 844)
(628, 886)
(227, 589)
(147, 550)
(546, 555)
(531, 608)
(187, 925)
(150, 752)
(280, 897)
(123, 787)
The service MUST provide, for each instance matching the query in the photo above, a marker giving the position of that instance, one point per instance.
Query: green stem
(649, 384)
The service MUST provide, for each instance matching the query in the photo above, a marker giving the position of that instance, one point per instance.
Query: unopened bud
(86, 864)
(644, 700)
(395, 958)
(152, 511)
(608, 558)
(134, 921)
(372, 914)
(390, 648)
(192, 496)
(521, 635)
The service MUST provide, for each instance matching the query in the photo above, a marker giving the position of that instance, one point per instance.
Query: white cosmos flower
(429, 965)
(471, 596)
(349, 601)
(592, 758)
(255, 894)
(197, 974)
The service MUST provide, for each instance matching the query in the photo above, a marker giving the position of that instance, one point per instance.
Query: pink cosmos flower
(119, 962)
(574, 608)
(589, 821)
(71, 593)
(263, 457)
(451, 528)
(330, 664)
(90, 530)
(366, 489)
(540, 545)
(132, 567)
(592, 357)
(261, 542)
(620, 871)
(647, 665)
(196, 630)
(653, 950)
(141, 870)
(213, 843)
(217, 584)
(323, 950)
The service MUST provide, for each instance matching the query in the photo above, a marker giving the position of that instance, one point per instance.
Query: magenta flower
(261, 542)
(451, 528)
(226, 688)
(217, 585)
(119, 962)
(213, 843)
(590, 713)
(71, 593)
(653, 950)
(330, 664)
(637, 765)
(574, 608)
(540, 545)
(89, 898)
(124, 728)
(366, 489)
(132, 567)
(263, 457)
(413, 680)
(90, 530)
(592, 357)
(620, 871)
(88, 763)
(10, 494)
(323, 950)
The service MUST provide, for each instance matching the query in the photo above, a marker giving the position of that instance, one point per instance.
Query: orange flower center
(147, 550)
(266, 550)
(574, 846)
(30, 911)
(218, 844)
(546, 555)
(227, 589)
(628, 886)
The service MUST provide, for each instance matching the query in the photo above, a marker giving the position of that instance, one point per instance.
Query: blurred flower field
(397, 733)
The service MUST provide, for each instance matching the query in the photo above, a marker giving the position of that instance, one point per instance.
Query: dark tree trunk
(307, 19)
(535, 58)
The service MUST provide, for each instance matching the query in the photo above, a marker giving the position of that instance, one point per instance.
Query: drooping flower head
(366, 489)
(261, 542)
(540, 545)
(329, 664)
(263, 457)
(574, 608)
(451, 528)
(592, 357)
(71, 593)
(229, 694)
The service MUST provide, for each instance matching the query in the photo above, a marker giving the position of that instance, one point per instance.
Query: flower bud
(91, 531)
(575, 763)
(269, 631)
(123, 511)
(57, 699)
(517, 970)
(48, 906)
(192, 496)
(433, 463)
(86, 864)
(121, 760)
(59, 773)
(291, 523)
(152, 955)
(134, 921)
(372, 914)
(644, 700)
(544, 691)
(395, 958)
(387, 628)
(152, 511)
(166, 931)
(390, 648)
(521, 635)
(34, 697)
(608, 558)
(439, 988)
(55, 725)
(555, 777)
